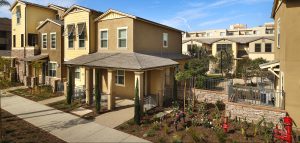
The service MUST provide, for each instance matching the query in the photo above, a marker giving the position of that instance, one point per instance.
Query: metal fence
(150, 102)
(214, 84)
(256, 96)
(79, 92)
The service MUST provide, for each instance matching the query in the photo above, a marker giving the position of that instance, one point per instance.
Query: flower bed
(203, 123)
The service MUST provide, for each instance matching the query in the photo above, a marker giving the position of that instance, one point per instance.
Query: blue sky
(187, 15)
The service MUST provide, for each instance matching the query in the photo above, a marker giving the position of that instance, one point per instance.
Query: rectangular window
(257, 47)
(32, 39)
(53, 40)
(14, 41)
(278, 33)
(18, 14)
(227, 47)
(165, 40)
(81, 34)
(52, 69)
(103, 38)
(120, 77)
(44, 40)
(268, 47)
(22, 40)
(71, 34)
(222, 34)
(122, 38)
(77, 73)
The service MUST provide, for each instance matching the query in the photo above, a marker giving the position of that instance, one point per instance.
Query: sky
(186, 15)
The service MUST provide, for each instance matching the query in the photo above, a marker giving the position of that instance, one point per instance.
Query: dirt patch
(36, 94)
(17, 130)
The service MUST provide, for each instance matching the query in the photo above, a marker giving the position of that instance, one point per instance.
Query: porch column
(163, 81)
(146, 83)
(70, 81)
(111, 97)
(89, 85)
(140, 77)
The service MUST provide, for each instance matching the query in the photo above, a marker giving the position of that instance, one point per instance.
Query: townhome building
(129, 51)
(26, 17)
(286, 66)
(5, 37)
(253, 43)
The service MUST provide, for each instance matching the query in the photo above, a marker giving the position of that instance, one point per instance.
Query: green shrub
(220, 105)
(156, 126)
(221, 135)
(197, 137)
(166, 129)
(162, 140)
(149, 133)
(176, 138)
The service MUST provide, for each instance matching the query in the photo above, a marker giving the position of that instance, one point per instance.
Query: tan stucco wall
(18, 29)
(185, 46)
(112, 26)
(148, 38)
(288, 54)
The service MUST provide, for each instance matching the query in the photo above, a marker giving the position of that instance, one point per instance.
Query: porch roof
(133, 61)
(269, 64)
(35, 58)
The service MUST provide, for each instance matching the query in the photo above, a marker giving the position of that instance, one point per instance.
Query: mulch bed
(16, 130)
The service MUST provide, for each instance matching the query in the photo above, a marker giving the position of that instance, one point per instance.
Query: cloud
(4, 11)
(199, 10)
(220, 20)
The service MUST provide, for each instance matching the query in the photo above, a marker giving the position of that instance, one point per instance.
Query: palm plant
(4, 3)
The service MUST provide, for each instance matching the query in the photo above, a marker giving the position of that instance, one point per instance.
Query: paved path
(14, 88)
(52, 100)
(123, 113)
(65, 126)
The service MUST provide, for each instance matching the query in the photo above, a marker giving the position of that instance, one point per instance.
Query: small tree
(70, 86)
(137, 106)
(37, 65)
(97, 91)
(225, 61)
(4, 3)
(183, 76)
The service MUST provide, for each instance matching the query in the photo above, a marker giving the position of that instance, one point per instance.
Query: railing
(79, 92)
(214, 84)
(150, 102)
(257, 96)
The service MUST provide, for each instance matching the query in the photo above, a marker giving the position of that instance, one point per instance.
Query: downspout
(25, 70)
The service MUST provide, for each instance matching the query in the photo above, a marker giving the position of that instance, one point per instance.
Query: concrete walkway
(123, 113)
(65, 126)
(52, 100)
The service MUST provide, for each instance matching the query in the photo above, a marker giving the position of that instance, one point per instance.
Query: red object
(225, 125)
(285, 134)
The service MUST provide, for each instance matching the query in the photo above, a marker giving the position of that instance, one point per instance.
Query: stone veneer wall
(253, 112)
(211, 96)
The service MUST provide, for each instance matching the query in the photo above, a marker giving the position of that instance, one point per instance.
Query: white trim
(52, 62)
(114, 11)
(101, 30)
(43, 34)
(117, 82)
(122, 28)
(53, 33)
(75, 6)
(167, 36)
(77, 79)
(44, 22)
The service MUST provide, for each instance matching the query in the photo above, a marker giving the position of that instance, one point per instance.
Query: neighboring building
(80, 36)
(257, 42)
(286, 66)
(5, 36)
(130, 49)
(26, 17)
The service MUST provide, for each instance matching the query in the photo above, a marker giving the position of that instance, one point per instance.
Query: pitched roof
(28, 3)
(57, 6)
(137, 18)
(83, 8)
(35, 58)
(57, 22)
(274, 8)
(5, 24)
(132, 61)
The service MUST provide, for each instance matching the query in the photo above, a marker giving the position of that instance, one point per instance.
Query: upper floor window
(104, 38)
(122, 37)
(165, 40)
(44, 40)
(14, 41)
(71, 29)
(53, 40)
(18, 14)
(32, 39)
(227, 47)
(120, 77)
(81, 34)
(257, 47)
(22, 40)
(278, 33)
(222, 34)
(52, 69)
(77, 73)
(268, 47)
(269, 31)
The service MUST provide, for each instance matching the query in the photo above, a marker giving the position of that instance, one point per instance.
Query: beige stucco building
(286, 66)
(256, 42)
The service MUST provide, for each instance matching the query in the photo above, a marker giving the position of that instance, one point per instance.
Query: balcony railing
(256, 96)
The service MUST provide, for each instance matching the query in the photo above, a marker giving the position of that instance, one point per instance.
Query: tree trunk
(184, 95)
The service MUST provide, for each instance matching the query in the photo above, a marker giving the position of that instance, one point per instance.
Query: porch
(118, 74)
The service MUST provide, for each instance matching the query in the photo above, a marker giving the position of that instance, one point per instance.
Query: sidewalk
(52, 100)
(65, 126)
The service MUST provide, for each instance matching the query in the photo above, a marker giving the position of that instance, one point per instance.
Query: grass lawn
(39, 94)
(16, 130)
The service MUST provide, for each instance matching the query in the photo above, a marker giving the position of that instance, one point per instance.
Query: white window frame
(278, 34)
(117, 79)
(101, 30)
(53, 33)
(77, 68)
(118, 29)
(84, 39)
(51, 62)
(167, 40)
(44, 34)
